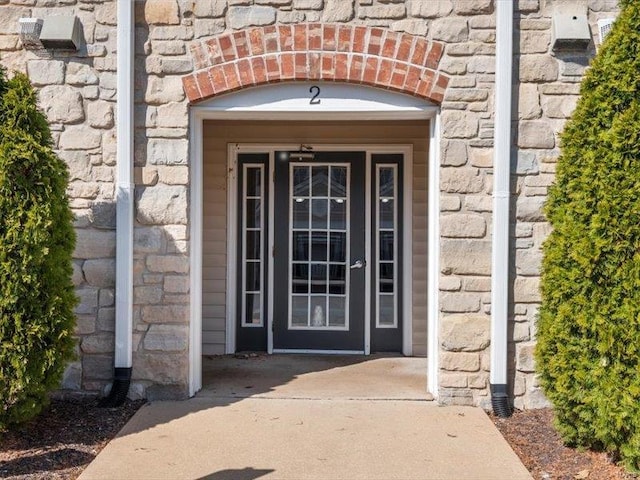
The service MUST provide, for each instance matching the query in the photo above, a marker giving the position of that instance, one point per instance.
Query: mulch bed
(65, 438)
(532, 436)
(62, 441)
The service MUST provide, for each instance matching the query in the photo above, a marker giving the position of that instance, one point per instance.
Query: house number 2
(315, 91)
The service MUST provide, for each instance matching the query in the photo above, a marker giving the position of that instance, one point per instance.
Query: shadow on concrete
(238, 474)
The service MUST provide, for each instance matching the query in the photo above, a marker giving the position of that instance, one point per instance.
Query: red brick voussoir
(371, 56)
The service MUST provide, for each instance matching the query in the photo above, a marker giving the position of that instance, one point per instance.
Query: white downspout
(501, 193)
(124, 202)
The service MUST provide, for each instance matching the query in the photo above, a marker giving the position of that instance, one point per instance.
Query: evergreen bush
(36, 244)
(588, 340)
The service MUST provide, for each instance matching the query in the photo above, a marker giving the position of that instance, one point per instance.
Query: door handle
(358, 264)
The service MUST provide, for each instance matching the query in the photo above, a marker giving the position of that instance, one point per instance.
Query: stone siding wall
(78, 92)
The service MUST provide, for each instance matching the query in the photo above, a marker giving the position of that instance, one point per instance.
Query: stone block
(481, 157)
(161, 205)
(176, 284)
(106, 13)
(465, 333)
(92, 243)
(393, 11)
(87, 300)
(525, 361)
(147, 240)
(477, 284)
(165, 313)
(161, 90)
(98, 343)
(457, 124)
(538, 68)
(529, 102)
(412, 27)
(72, 376)
(160, 367)
(463, 225)
(100, 114)
(528, 262)
(100, 273)
(80, 137)
(530, 209)
(338, 11)
(459, 303)
(162, 12)
(45, 72)
(147, 295)
(479, 203)
(534, 41)
(535, 134)
(461, 180)
(459, 361)
(527, 290)
(61, 104)
(430, 9)
(559, 106)
(80, 74)
(465, 257)
(466, 95)
(243, 17)
(173, 114)
(169, 175)
(473, 7)
(308, 4)
(454, 153)
(97, 367)
(450, 30)
(449, 203)
(168, 263)
(85, 324)
(107, 297)
(210, 8)
(161, 151)
(166, 338)
(479, 380)
(535, 399)
(449, 283)
(452, 380)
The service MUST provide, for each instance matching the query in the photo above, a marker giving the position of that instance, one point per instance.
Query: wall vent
(29, 32)
(604, 27)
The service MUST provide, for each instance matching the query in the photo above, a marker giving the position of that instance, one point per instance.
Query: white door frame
(392, 106)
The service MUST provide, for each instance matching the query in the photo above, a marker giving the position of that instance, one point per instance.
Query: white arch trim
(293, 101)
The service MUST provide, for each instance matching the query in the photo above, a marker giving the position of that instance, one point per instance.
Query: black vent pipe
(119, 389)
(500, 401)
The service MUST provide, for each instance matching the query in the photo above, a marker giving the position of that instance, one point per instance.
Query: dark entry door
(319, 255)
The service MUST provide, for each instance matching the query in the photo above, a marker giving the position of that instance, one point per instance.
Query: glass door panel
(319, 243)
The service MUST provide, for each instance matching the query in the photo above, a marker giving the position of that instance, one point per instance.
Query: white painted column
(125, 185)
(501, 193)
(433, 273)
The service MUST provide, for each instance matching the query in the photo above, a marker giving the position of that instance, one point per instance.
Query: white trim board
(210, 111)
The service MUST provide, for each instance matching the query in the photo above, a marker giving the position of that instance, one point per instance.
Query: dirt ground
(65, 438)
(62, 441)
(532, 436)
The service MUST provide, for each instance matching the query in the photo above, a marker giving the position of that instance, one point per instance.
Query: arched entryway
(363, 103)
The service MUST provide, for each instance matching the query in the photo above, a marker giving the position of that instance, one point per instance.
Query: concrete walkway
(296, 430)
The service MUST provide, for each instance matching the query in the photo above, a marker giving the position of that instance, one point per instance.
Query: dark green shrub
(36, 244)
(588, 350)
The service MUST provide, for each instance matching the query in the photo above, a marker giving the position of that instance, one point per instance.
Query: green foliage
(588, 349)
(36, 243)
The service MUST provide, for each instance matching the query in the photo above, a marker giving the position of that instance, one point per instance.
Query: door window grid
(252, 244)
(319, 246)
(386, 289)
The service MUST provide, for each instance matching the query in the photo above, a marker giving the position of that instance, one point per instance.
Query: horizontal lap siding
(218, 134)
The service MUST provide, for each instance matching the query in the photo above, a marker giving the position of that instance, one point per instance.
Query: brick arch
(376, 57)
